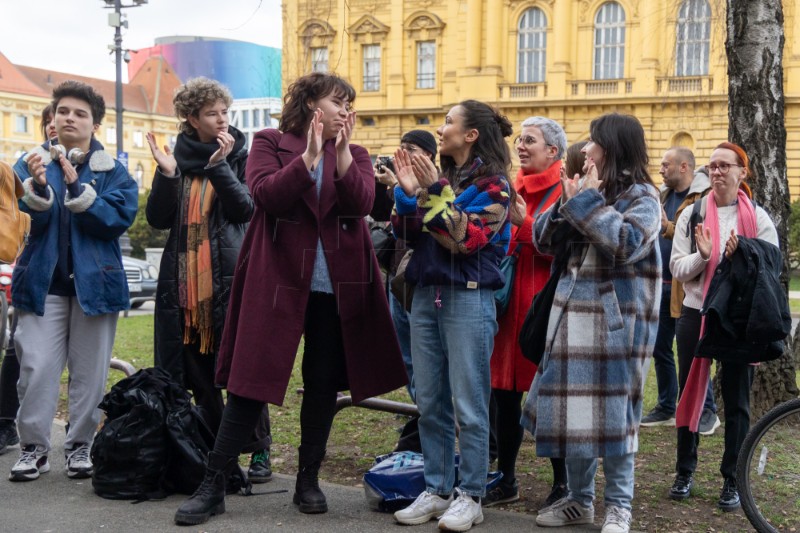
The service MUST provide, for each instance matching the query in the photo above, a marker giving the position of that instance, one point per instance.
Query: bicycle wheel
(768, 470)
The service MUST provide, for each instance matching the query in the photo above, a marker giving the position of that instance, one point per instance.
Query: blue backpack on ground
(396, 479)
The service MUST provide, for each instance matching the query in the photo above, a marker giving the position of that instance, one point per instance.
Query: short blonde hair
(195, 94)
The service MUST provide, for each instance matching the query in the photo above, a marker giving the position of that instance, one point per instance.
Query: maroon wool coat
(272, 283)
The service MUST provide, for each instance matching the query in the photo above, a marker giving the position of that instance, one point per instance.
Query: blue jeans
(401, 326)
(451, 343)
(663, 356)
(618, 471)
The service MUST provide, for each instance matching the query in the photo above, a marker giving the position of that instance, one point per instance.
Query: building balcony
(522, 91)
(601, 88)
(685, 85)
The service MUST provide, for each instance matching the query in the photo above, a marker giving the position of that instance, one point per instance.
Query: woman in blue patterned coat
(586, 399)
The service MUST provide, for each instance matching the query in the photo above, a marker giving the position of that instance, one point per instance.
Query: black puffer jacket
(747, 313)
(230, 215)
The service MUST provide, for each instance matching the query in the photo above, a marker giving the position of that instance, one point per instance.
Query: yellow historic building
(570, 60)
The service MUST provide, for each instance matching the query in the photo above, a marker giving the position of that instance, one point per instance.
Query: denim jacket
(105, 208)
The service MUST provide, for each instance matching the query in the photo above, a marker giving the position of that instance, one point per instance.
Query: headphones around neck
(76, 156)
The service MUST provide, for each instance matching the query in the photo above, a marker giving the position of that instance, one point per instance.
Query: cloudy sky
(73, 35)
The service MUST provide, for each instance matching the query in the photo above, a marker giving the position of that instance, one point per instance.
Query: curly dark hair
(195, 94)
(81, 91)
(296, 113)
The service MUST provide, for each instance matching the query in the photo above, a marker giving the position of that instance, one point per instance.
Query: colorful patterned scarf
(195, 282)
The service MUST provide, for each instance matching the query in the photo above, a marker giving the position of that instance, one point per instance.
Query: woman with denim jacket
(457, 224)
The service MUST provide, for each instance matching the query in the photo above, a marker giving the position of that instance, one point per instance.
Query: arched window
(531, 46)
(609, 42)
(693, 38)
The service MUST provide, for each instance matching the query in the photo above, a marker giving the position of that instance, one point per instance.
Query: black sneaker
(658, 417)
(681, 487)
(260, 470)
(558, 491)
(8, 434)
(501, 493)
(709, 422)
(729, 497)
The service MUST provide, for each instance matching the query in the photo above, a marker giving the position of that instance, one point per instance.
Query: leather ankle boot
(209, 498)
(308, 496)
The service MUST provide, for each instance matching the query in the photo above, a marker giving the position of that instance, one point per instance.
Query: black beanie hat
(423, 139)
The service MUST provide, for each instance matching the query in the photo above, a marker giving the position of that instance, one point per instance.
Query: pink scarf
(690, 404)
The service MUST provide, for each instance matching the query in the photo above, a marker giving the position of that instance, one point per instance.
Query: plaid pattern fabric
(586, 398)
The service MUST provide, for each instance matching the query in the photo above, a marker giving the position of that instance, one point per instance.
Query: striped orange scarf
(198, 311)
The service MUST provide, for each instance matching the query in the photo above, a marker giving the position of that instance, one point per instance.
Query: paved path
(54, 503)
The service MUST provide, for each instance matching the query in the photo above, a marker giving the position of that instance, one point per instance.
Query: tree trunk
(754, 47)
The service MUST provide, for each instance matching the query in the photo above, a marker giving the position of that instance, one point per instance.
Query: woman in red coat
(306, 268)
(540, 148)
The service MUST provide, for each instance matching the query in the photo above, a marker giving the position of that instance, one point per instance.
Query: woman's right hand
(314, 144)
(405, 172)
(37, 169)
(385, 176)
(518, 211)
(702, 239)
(165, 160)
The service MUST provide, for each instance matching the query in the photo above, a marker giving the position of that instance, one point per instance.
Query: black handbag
(533, 335)
(401, 289)
(383, 242)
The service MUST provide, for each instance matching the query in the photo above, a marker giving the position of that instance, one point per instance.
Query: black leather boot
(209, 498)
(307, 494)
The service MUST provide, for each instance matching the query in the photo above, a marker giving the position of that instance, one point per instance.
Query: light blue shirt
(321, 278)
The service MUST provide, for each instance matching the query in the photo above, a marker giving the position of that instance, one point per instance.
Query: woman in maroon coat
(306, 268)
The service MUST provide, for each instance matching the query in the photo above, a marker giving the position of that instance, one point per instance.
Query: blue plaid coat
(586, 398)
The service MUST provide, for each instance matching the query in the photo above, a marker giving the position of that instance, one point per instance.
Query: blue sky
(73, 35)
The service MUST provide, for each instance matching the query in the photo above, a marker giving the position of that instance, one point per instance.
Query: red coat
(510, 370)
(272, 283)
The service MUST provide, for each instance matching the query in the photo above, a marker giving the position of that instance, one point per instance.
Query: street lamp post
(117, 21)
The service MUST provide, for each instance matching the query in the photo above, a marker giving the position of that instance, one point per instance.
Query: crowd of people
(275, 239)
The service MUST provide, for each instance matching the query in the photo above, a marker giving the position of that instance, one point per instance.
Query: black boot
(209, 498)
(308, 496)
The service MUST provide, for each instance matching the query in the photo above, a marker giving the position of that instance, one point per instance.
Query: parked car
(142, 278)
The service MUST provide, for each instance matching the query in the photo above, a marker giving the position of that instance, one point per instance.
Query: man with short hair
(682, 187)
(69, 285)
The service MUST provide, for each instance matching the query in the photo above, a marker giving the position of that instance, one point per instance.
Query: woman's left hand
(731, 245)
(592, 180)
(343, 137)
(518, 211)
(424, 170)
(225, 141)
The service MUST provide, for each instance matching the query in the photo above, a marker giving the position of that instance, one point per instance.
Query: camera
(386, 162)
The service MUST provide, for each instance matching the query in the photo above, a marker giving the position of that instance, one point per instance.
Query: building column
(474, 35)
(494, 36)
(563, 33)
(651, 24)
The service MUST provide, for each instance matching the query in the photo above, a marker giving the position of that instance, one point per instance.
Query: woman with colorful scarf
(458, 226)
(728, 213)
(200, 196)
(540, 147)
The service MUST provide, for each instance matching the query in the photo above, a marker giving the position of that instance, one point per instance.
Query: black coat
(747, 313)
(230, 214)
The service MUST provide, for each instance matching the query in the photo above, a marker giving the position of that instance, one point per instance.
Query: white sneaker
(618, 520)
(32, 462)
(462, 514)
(79, 464)
(565, 512)
(426, 507)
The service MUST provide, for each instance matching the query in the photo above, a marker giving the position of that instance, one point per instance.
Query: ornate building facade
(571, 60)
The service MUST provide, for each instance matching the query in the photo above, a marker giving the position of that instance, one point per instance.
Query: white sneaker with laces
(618, 520)
(32, 462)
(462, 514)
(565, 512)
(426, 507)
(79, 464)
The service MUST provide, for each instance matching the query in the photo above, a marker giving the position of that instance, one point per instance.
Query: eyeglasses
(528, 141)
(722, 167)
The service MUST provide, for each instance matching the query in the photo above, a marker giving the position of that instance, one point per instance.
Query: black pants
(735, 382)
(507, 406)
(324, 375)
(9, 375)
(199, 377)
